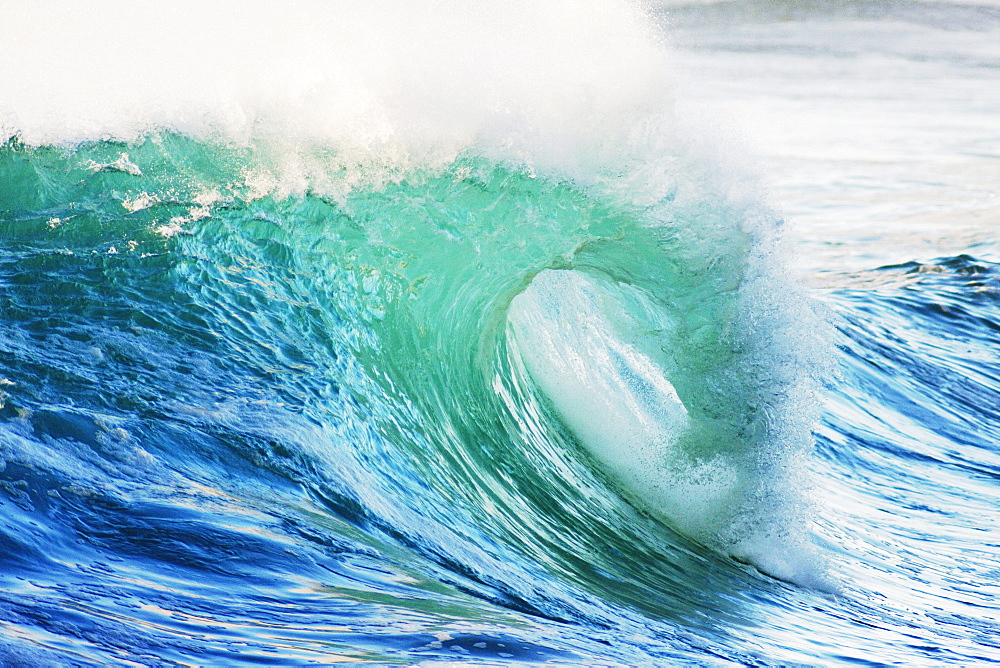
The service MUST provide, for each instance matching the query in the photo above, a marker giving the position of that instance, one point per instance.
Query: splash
(319, 87)
(450, 156)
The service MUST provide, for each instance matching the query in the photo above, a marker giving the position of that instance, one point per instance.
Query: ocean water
(576, 333)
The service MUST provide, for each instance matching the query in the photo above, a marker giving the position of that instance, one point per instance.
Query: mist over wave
(383, 86)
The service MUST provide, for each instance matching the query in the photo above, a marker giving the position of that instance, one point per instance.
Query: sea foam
(322, 84)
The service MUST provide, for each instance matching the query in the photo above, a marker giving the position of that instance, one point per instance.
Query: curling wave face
(389, 353)
(456, 289)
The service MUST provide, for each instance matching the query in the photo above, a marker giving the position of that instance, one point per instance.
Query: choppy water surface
(572, 335)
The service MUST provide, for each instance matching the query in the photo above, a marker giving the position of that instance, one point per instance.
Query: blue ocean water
(576, 334)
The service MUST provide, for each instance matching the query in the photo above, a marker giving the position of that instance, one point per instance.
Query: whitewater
(571, 333)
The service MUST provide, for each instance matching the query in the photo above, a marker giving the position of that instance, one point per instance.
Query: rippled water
(501, 335)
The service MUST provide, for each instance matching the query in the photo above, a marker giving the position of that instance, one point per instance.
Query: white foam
(384, 82)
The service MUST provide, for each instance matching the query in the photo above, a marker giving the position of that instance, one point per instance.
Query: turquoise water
(480, 336)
